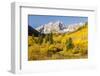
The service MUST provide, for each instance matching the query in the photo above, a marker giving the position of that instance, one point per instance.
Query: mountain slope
(78, 36)
(32, 31)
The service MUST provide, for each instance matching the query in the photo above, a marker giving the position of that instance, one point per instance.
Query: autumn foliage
(59, 46)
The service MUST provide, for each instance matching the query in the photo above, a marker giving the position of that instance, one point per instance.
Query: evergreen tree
(69, 43)
(33, 36)
(40, 40)
(46, 38)
(51, 38)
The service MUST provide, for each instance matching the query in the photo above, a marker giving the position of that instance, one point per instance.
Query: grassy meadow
(53, 46)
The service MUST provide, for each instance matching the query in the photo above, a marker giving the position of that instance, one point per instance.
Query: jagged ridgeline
(57, 41)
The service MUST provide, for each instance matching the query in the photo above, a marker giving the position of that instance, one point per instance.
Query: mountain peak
(58, 27)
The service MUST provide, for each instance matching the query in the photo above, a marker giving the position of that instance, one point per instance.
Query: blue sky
(37, 20)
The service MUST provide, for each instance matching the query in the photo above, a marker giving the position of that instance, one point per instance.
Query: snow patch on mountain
(58, 27)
